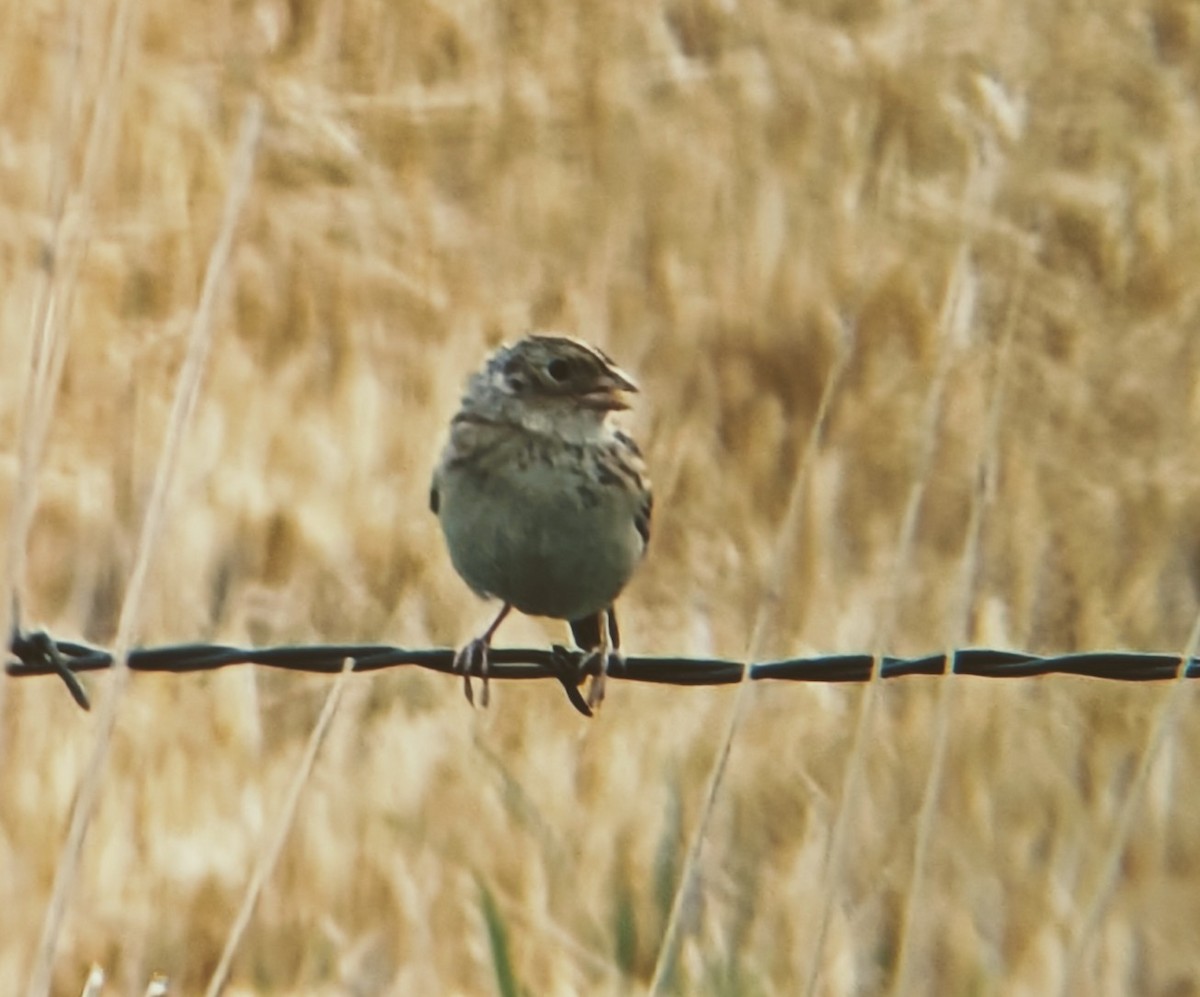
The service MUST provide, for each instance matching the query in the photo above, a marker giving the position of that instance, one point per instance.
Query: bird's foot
(472, 660)
(597, 663)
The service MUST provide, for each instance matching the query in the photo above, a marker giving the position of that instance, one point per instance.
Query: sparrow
(544, 502)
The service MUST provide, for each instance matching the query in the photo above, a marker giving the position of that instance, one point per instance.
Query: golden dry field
(973, 229)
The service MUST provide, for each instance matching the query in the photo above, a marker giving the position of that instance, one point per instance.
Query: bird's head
(550, 379)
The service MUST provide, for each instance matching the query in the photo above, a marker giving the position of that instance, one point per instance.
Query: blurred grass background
(729, 197)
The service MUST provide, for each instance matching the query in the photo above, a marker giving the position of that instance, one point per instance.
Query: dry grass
(726, 196)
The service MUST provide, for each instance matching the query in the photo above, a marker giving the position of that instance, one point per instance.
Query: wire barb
(39, 646)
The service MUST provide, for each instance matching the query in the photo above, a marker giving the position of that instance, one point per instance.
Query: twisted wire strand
(37, 653)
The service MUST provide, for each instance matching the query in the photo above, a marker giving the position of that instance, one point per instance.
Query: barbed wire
(37, 653)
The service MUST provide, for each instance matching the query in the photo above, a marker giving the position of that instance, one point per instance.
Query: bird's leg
(613, 630)
(605, 652)
(472, 659)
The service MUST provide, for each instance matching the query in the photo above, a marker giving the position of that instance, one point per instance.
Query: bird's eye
(558, 369)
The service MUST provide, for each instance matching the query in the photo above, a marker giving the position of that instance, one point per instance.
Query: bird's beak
(609, 396)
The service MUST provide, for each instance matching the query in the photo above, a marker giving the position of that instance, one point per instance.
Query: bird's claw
(597, 663)
(472, 659)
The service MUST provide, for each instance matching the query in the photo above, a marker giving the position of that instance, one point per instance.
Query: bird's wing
(629, 456)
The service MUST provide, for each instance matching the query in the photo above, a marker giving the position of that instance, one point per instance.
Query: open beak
(609, 396)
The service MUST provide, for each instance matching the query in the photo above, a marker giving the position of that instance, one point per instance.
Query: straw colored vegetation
(978, 219)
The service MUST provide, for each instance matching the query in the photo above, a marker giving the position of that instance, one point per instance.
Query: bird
(544, 502)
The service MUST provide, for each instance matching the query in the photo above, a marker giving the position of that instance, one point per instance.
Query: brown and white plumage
(544, 503)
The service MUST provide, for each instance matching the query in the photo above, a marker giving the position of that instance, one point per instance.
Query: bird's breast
(553, 533)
